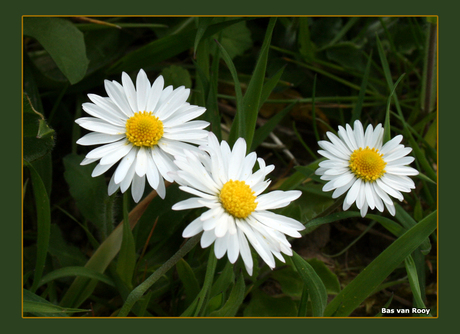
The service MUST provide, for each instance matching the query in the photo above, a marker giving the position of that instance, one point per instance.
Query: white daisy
(359, 163)
(143, 126)
(224, 182)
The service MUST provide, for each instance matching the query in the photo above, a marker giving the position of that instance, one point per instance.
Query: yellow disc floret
(367, 164)
(238, 199)
(144, 129)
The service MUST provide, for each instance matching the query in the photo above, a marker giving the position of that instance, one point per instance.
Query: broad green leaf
(63, 41)
(76, 271)
(38, 137)
(236, 39)
(374, 274)
(290, 281)
(316, 288)
(165, 48)
(234, 300)
(90, 193)
(330, 280)
(188, 278)
(42, 204)
(225, 279)
(176, 76)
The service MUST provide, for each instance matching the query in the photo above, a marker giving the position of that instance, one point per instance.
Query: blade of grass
(42, 204)
(356, 113)
(386, 131)
(234, 301)
(76, 271)
(247, 116)
(127, 256)
(414, 282)
(374, 274)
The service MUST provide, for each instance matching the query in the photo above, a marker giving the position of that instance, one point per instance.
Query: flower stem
(139, 291)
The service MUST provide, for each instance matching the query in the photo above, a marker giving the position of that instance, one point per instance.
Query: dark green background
(11, 165)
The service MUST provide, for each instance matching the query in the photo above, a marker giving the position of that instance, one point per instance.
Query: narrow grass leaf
(407, 221)
(226, 278)
(76, 271)
(303, 303)
(356, 113)
(37, 307)
(376, 272)
(203, 23)
(42, 204)
(414, 281)
(127, 256)
(315, 286)
(234, 301)
(264, 131)
(63, 41)
(251, 99)
(386, 131)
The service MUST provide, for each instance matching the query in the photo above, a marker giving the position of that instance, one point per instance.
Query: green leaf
(38, 136)
(386, 131)
(356, 114)
(263, 305)
(127, 256)
(316, 288)
(188, 278)
(165, 48)
(176, 76)
(90, 193)
(330, 280)
(42, 204)
(76, 271)
(66, 254)
(306, 47)
(414, 282)
(226, 278)
(374, 274)
(63, 41)
(247, 116)
(37, 307)
(407, 221)
(234, 300)
(236, 39)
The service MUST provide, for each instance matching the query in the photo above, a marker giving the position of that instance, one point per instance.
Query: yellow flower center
(367, 164)
(238, 199)
(144, 129)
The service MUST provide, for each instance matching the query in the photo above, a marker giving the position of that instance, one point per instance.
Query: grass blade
(356, 114)
(76, 271)
(234, 300)
(247, 116)
(374, 274)
(42, 203)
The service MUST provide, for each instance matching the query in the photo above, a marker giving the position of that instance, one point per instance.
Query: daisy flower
(143, 127)
(224, 182)
(371, 172)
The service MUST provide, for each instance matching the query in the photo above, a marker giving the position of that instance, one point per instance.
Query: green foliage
(280, 83)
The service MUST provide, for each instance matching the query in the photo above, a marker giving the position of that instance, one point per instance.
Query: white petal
(193, 228)
(117, 95)
(352, 194)
(222, 226)
(245, 251)
(343, 179)
(130, 91)
(125, 165)
(391, 145)
(101, 151)
(112, 157)
(183, 115)
(369, 195)
(100, 169)
(277, 199)
(153, 175)
(126, 182)
(390, 191)
(173, 102)
(113, 187)
(95, 138)
(155, 94)
(237, 158)
(108, 105)
(163, 162)
(401, 170)
(98, 125)
(233, 248)
(359, 133)
(137, 189)
(191, 203)
(220, 246)
(207, 238)
(331, 148)
(141, 161)
(142, 90)
(98, 112)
